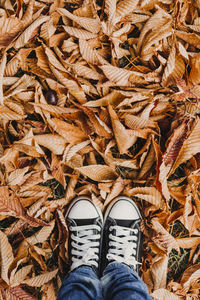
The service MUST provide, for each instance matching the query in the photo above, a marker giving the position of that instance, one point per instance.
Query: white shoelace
(85, 245)
(122, 245)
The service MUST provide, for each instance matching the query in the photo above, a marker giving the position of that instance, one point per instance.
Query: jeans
(118, 282)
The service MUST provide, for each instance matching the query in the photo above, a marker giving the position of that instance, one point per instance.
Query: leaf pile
(99, 98)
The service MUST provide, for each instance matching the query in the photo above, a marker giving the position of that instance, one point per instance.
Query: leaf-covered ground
(99, 98)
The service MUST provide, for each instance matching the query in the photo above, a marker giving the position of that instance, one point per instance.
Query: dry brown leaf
(74, 149)
(29, 150)
(2, 68)
(9, 29)
(191, 275)
(41, 279)
(191, 38)
(124, 137)
(148, 162)
(117, 76)
(117, 189)
(190, 147)
(86, 72)
(7, 257)
(92, 25)
(159, 18)
(137, 122)
(190, 242)
(17, 293)
(11, 205)
(57, 170)
(37, 257)
(159, 272)
(53, 142)
(20, 275)
(98, 172)
(48, 292)
(163, 239)
(42, 59)
(80, 33)
(71, 133)
(88, 53)
(149, 194)
(71, 84)
(27, 34)
(28, 15)
(175, 68)
(42, 235)
(113, 98)
(162, 294)
(194, 73)
(99, 126)
(125, 7)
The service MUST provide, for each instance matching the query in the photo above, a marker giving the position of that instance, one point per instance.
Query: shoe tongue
(82, 222)
(127, 223)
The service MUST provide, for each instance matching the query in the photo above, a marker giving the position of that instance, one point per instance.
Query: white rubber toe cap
(124, 210)
(82, 209)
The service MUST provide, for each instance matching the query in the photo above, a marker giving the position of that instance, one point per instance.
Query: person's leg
(121, 282)
(122, 252)
(82, 283)
(85, 223)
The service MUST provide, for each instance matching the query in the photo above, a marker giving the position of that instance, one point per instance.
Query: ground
(99, 98)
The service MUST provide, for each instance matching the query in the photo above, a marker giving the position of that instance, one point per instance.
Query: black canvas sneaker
(85, 223)
(122, 237)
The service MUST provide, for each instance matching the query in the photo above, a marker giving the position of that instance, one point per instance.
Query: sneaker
(85, 223)
(122, 237)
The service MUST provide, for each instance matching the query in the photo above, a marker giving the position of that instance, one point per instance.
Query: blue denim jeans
(118, 282)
